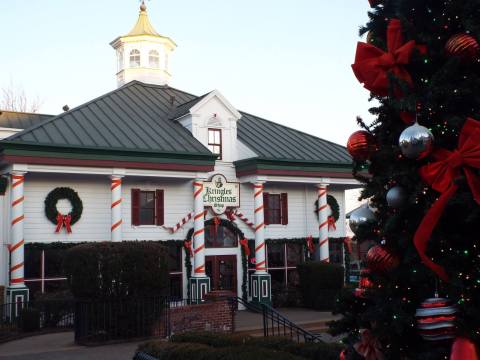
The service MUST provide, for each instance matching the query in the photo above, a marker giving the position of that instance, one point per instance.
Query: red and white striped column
(116, 207)
(198, 230)
(17, 216)
(323, 212)
(260, 258)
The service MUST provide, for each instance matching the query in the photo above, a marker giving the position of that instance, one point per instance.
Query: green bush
(116, 270)
(271, 345)
(29, 320)
(320, 284)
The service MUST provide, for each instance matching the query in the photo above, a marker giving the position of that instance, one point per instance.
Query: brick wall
(214, 315)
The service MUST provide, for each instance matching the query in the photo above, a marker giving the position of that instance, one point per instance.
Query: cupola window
(215, 142)
(154, 59)
(134, 58)
(120, 60)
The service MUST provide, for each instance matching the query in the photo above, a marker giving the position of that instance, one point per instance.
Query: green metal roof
(139, 117)
(20, 120)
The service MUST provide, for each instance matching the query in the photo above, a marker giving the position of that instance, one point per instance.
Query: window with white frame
(134, 58)
(154, 59)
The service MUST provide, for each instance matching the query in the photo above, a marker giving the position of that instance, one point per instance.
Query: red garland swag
(441, 175)
(310, 244)
(373, 65)
(244, 243)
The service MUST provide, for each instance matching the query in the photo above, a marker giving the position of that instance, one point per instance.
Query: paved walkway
(60, 346)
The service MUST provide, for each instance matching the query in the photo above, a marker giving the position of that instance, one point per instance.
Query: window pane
(335, 250)
(294, 254)
(147, 216)
(251, 246)
(54, 263)
(209, 236)
(293, 278)
(217, 137)
(216, 149)
(226, 238)
(174, 258)
(211, 137)
(276, 255)
(175, 287)
(32, 263)
(278, 278)
(147, 200)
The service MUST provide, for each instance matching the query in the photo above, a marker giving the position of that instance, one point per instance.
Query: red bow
(230, 215)
(310, 245)
(441, 175)
(331, 223)
(64, 220)
(368, 346)
(372, 65)
(348, 244)
(244, 243)
(188, 245)
(216, 222)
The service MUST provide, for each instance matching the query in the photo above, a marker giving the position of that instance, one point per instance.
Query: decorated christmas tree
(419, 161)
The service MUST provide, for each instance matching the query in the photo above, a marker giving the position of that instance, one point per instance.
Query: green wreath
(63, 193)
(333, 203)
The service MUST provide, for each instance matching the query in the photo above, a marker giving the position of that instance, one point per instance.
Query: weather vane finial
(143, 7)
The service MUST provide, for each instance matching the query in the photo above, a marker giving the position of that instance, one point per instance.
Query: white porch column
(116, 208)
(261, 289)
(199, 283)
(17, 292)
(323, 211)
(260, 256)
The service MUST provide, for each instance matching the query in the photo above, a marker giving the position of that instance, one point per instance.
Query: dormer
(213, 121)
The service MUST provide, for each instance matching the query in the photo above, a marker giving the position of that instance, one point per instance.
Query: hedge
(233, 346)
(117, 270)
(320, 284)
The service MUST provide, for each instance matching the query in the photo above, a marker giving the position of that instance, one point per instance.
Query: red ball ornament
(361, 145)
(436, 319)
(464, 46)
(379, 259)
(464, 349)
(364, 284)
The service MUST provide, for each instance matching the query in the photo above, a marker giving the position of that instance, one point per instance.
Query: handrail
(276, 324)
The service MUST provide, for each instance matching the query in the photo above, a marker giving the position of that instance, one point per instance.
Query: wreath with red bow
(334, 207)
(55, 216)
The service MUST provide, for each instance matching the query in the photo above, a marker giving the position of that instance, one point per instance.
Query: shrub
(117, 270)
(238, 343)
(29, 320)
(320, 284)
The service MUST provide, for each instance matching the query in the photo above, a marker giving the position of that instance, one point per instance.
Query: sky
(285, 60)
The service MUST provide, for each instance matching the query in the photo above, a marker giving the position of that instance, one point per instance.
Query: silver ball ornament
(363, 216)
(396, 197)
(416, 142)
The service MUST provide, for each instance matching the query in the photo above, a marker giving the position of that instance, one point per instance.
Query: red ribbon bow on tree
(331, 223)
(369, 346)
(441, 175)
(372, 65)
(64, 220)
(310, 244)
(188, 245)
(244, 243)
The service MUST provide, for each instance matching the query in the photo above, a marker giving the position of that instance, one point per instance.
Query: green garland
(333, 203)
(71, 195)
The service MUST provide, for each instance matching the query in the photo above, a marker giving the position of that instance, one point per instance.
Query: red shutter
(159, 207)
(266, 209)
(135, 207)
(284, 207)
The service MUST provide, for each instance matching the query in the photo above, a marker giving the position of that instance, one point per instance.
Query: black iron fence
(35, 316)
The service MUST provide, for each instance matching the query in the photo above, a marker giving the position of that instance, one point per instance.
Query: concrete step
(315, 327)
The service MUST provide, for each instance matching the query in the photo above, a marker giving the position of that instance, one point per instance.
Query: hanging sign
(219, 194)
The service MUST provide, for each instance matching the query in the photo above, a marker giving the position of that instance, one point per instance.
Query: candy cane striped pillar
(261, 282)
(17, 292)
(116, 208)
(199, 282)
(323, 211)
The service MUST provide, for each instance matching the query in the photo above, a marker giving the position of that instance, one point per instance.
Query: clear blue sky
(286, 60)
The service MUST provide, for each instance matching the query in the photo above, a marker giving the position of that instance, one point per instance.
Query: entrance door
(222, 271)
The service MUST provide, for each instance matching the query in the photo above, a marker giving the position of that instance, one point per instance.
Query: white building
(141, 159)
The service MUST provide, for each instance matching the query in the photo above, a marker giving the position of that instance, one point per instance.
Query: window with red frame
(147, 207)
(275, 208)
(215, 141)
